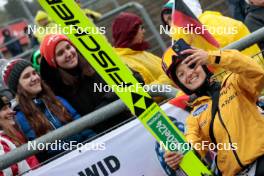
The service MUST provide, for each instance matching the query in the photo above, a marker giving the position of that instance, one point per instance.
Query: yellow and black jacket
(238, 112)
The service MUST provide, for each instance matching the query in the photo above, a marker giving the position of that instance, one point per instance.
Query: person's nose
(11, 111)
(189, 73)
(34, 77)
(67, 53)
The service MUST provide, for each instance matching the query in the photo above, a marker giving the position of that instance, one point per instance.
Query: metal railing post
(91, 2)
(247, 41)
(151, 25)
(27, 11)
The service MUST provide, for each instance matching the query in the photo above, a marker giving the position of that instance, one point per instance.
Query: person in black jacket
(12, 43)
(71, 76)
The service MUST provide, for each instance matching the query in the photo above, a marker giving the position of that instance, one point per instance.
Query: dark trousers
(260, 166)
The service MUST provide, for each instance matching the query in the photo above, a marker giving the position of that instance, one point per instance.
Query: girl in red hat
(69, 75)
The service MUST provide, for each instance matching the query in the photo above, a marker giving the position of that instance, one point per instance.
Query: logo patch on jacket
(200, 109)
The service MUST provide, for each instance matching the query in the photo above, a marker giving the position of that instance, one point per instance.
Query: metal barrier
(242, 44)
(105, 112)
(247, 41)
(91, 2)
(70, 129)
(26, 54)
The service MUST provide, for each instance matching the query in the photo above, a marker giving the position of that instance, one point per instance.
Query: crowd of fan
(56, 85)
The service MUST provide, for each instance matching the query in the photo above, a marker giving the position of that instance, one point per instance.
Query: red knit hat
(11, 72)
(48, 46)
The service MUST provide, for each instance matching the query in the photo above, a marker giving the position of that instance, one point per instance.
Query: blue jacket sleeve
(24, 126)
(88, 133)
(74, 114)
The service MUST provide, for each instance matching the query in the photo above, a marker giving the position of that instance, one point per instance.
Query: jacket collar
(126, 51)
(200, 100)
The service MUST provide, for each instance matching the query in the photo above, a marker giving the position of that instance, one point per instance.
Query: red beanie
(48, 47)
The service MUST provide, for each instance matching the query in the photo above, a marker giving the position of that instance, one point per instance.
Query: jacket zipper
(50, 115)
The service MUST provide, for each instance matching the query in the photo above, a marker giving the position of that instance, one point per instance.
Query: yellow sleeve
(163, 79)
(249, 75)
(143, 72)
(157, 63)
(193, 134)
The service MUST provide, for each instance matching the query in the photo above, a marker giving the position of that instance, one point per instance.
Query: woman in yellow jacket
(237, 127)
(128, 36)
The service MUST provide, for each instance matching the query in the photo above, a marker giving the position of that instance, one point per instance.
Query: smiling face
(190, 78)
(30, 81)
(66, 55)
(6, 113)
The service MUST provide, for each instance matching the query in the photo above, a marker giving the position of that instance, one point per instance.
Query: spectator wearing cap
(93, 15)
(128, 37)
(45, 26)
(70, 76)
(11, 138)
(40, 110)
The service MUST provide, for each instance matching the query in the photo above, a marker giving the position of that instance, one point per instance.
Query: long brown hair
(11, 131)
(35, 116)
(83, 67)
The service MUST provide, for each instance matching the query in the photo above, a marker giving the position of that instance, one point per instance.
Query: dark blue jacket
(54, 121)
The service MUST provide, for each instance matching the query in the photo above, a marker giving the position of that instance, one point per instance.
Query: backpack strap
(215, 102)
(215, 109)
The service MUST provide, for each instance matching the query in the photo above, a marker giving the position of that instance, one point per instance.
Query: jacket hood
(126, 51)
(40, 16)
(124, 29)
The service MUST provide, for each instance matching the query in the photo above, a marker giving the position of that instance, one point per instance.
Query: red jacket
(5, 148)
